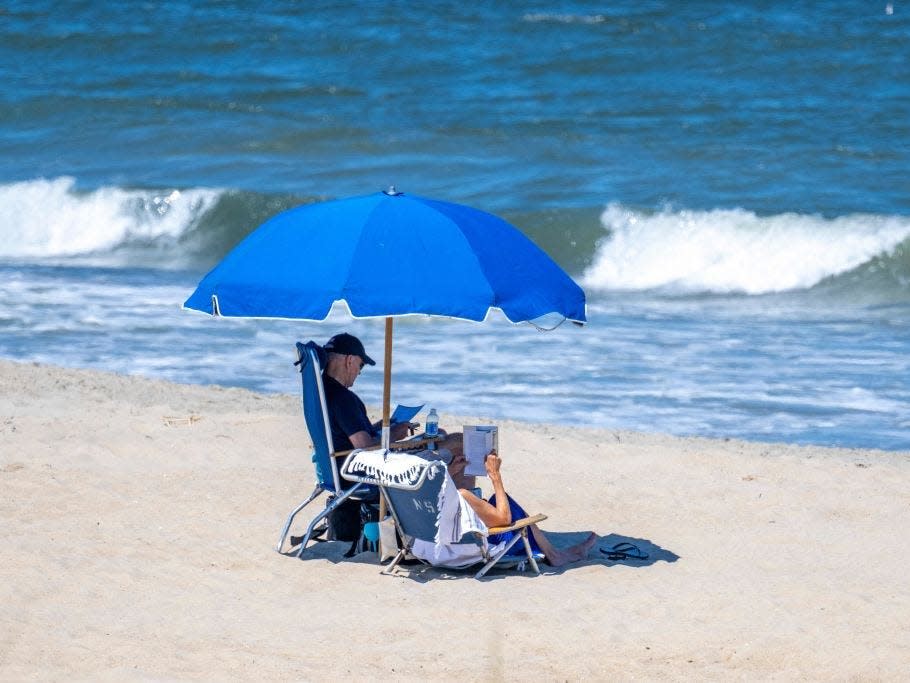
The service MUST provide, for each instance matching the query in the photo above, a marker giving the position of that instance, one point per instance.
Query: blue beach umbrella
(384, 255)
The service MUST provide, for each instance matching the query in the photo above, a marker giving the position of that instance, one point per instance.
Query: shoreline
(141, 518)
(291, 401)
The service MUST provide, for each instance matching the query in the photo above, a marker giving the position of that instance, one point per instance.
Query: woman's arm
(500, 515)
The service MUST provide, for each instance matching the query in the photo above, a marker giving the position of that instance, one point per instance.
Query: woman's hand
(492, 463)
(501, 515)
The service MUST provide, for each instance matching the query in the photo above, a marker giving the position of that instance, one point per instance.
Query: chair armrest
(413, 443)
(403, 445)
(519, 524)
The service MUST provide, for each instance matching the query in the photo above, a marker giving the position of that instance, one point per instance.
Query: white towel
(388, 469)
(457, 520)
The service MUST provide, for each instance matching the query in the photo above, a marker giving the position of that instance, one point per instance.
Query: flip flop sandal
(625, 547)
(624, 551)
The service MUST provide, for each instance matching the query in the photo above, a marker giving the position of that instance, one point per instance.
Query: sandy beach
(139, 522)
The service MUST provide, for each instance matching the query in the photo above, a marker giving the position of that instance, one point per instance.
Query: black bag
(344, 521)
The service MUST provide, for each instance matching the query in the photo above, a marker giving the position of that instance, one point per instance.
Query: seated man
(351, 427)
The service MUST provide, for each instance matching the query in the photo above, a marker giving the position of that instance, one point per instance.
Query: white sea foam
(548, 17)
(47, 218)
(734, 250)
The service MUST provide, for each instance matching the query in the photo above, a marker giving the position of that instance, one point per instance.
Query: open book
(478, 441)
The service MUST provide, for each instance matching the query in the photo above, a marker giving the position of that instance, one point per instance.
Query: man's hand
(399, 431)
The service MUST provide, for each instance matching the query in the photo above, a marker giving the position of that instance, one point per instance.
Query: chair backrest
(311, 358)
(411, 483)
(417, 512)
(436, 523)
(421, 495)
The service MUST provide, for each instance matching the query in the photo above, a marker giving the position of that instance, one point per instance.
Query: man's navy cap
(348, 345)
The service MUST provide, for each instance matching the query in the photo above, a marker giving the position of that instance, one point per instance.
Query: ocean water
(730, 183)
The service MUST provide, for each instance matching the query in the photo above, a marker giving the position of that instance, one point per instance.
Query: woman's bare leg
(501, 514)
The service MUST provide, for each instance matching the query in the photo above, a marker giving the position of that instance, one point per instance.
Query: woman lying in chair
(501, 509)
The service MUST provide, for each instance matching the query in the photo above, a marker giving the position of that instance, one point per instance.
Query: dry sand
(139, 520)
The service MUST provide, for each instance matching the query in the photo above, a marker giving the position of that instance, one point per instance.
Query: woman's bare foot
(586, 545)
(557, 557)
(574, 553)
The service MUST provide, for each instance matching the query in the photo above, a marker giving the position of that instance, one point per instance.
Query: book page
(478, 441)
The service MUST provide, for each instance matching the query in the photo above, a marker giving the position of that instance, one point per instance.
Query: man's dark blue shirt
(347, 414)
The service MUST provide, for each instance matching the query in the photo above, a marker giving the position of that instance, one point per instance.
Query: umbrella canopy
(384, 255)
(388, 254)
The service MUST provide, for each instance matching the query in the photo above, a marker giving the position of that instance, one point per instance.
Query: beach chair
(311, 358)
(436, 524)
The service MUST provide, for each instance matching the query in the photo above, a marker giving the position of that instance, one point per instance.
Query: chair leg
(335, 503)
(287, 525)
(524, 537)
(497, 557)
(398, 558)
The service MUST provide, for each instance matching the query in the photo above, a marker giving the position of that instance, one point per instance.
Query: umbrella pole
(386, 400)
(387, 384)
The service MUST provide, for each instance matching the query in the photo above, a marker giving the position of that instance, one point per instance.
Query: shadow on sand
(654, 553)
(414, 570)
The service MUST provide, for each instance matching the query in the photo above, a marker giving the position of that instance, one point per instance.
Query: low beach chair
(436, 524)
(310, 361)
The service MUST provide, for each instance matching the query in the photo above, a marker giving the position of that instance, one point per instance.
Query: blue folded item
(518, 512)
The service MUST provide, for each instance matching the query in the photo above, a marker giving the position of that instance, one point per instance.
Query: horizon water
(729, 184)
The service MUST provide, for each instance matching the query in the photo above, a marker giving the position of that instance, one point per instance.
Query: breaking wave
(52, 219)
(676, 251)
(737, 251)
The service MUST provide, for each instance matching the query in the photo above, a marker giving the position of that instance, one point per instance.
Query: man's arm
(362, 439)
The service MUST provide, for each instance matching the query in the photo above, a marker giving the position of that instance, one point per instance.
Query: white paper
(478, 441)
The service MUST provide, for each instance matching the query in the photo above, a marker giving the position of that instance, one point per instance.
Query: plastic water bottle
(432, 425)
